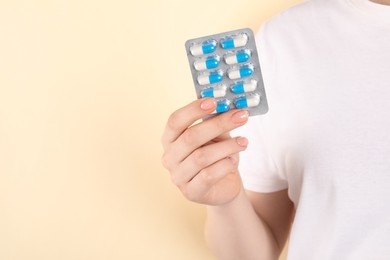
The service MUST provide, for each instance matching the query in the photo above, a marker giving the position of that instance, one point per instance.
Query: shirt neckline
(378, 12)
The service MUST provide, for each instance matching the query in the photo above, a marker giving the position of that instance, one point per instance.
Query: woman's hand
(202, 158)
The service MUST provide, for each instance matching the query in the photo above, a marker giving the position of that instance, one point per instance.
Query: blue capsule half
(215, 77)
(212, 62)
(208, 46)
(242, 56)
(238, 88)
(227, 43)
(245, 71)
(222, 107)
(241, 102)
(209, 92)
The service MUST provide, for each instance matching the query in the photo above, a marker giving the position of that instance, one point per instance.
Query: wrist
(237, 202)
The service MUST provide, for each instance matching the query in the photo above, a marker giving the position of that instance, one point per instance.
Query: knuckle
(189, 137)
(173, 121)
(229, 165)
(199, 157)
(175, 180)
(188, 194)
(206, 177)
(162, 140)
(166, 162)
(232, 167)
(220, 124)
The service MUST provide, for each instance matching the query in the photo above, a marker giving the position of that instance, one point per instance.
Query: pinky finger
(202, 188)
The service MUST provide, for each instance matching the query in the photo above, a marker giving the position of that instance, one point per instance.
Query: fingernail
(242, 141)
(208, 104)
(240, 116)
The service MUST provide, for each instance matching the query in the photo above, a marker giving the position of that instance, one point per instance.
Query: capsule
(210, 78)
(234, 41)
(210, 62)
(215, 92)
(241, 72)
(244, 87)
(238, 57)
(222, 106)
(247, 101)
(205, 47)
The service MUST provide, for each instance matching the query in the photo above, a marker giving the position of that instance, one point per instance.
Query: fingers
(202, 188)
(205, 156)
(198, 135)
(181, 119)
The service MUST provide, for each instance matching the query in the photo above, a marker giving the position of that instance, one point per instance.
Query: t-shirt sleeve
(259, 166)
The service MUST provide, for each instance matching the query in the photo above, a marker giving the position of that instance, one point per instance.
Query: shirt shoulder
(300, 17)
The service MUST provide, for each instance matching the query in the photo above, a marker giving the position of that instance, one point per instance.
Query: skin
(382, 2)
(202, 160)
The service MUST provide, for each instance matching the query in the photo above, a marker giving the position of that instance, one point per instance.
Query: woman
(317, 160)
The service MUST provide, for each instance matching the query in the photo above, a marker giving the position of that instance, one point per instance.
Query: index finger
(184, 117)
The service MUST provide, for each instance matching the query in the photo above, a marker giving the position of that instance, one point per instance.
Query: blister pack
(226, 66)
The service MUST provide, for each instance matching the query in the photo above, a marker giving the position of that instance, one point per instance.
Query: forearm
(234, 231)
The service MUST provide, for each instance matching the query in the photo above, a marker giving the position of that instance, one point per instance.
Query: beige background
(85, 90)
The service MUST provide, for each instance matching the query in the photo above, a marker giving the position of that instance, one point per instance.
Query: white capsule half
(196, 50)
(253, 100)
(234, 74)
(219, 92)
(203, 79)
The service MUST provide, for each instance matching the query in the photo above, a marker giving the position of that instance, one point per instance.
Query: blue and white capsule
(215, 92)
(241, 72)
(211, 62)
(210, 77)
(236, 41)
(238, 57)
(205, 47)
(244, 87)
(247, 101)
(222, 106)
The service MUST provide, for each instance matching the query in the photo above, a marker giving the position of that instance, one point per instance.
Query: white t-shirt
(326, 137)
